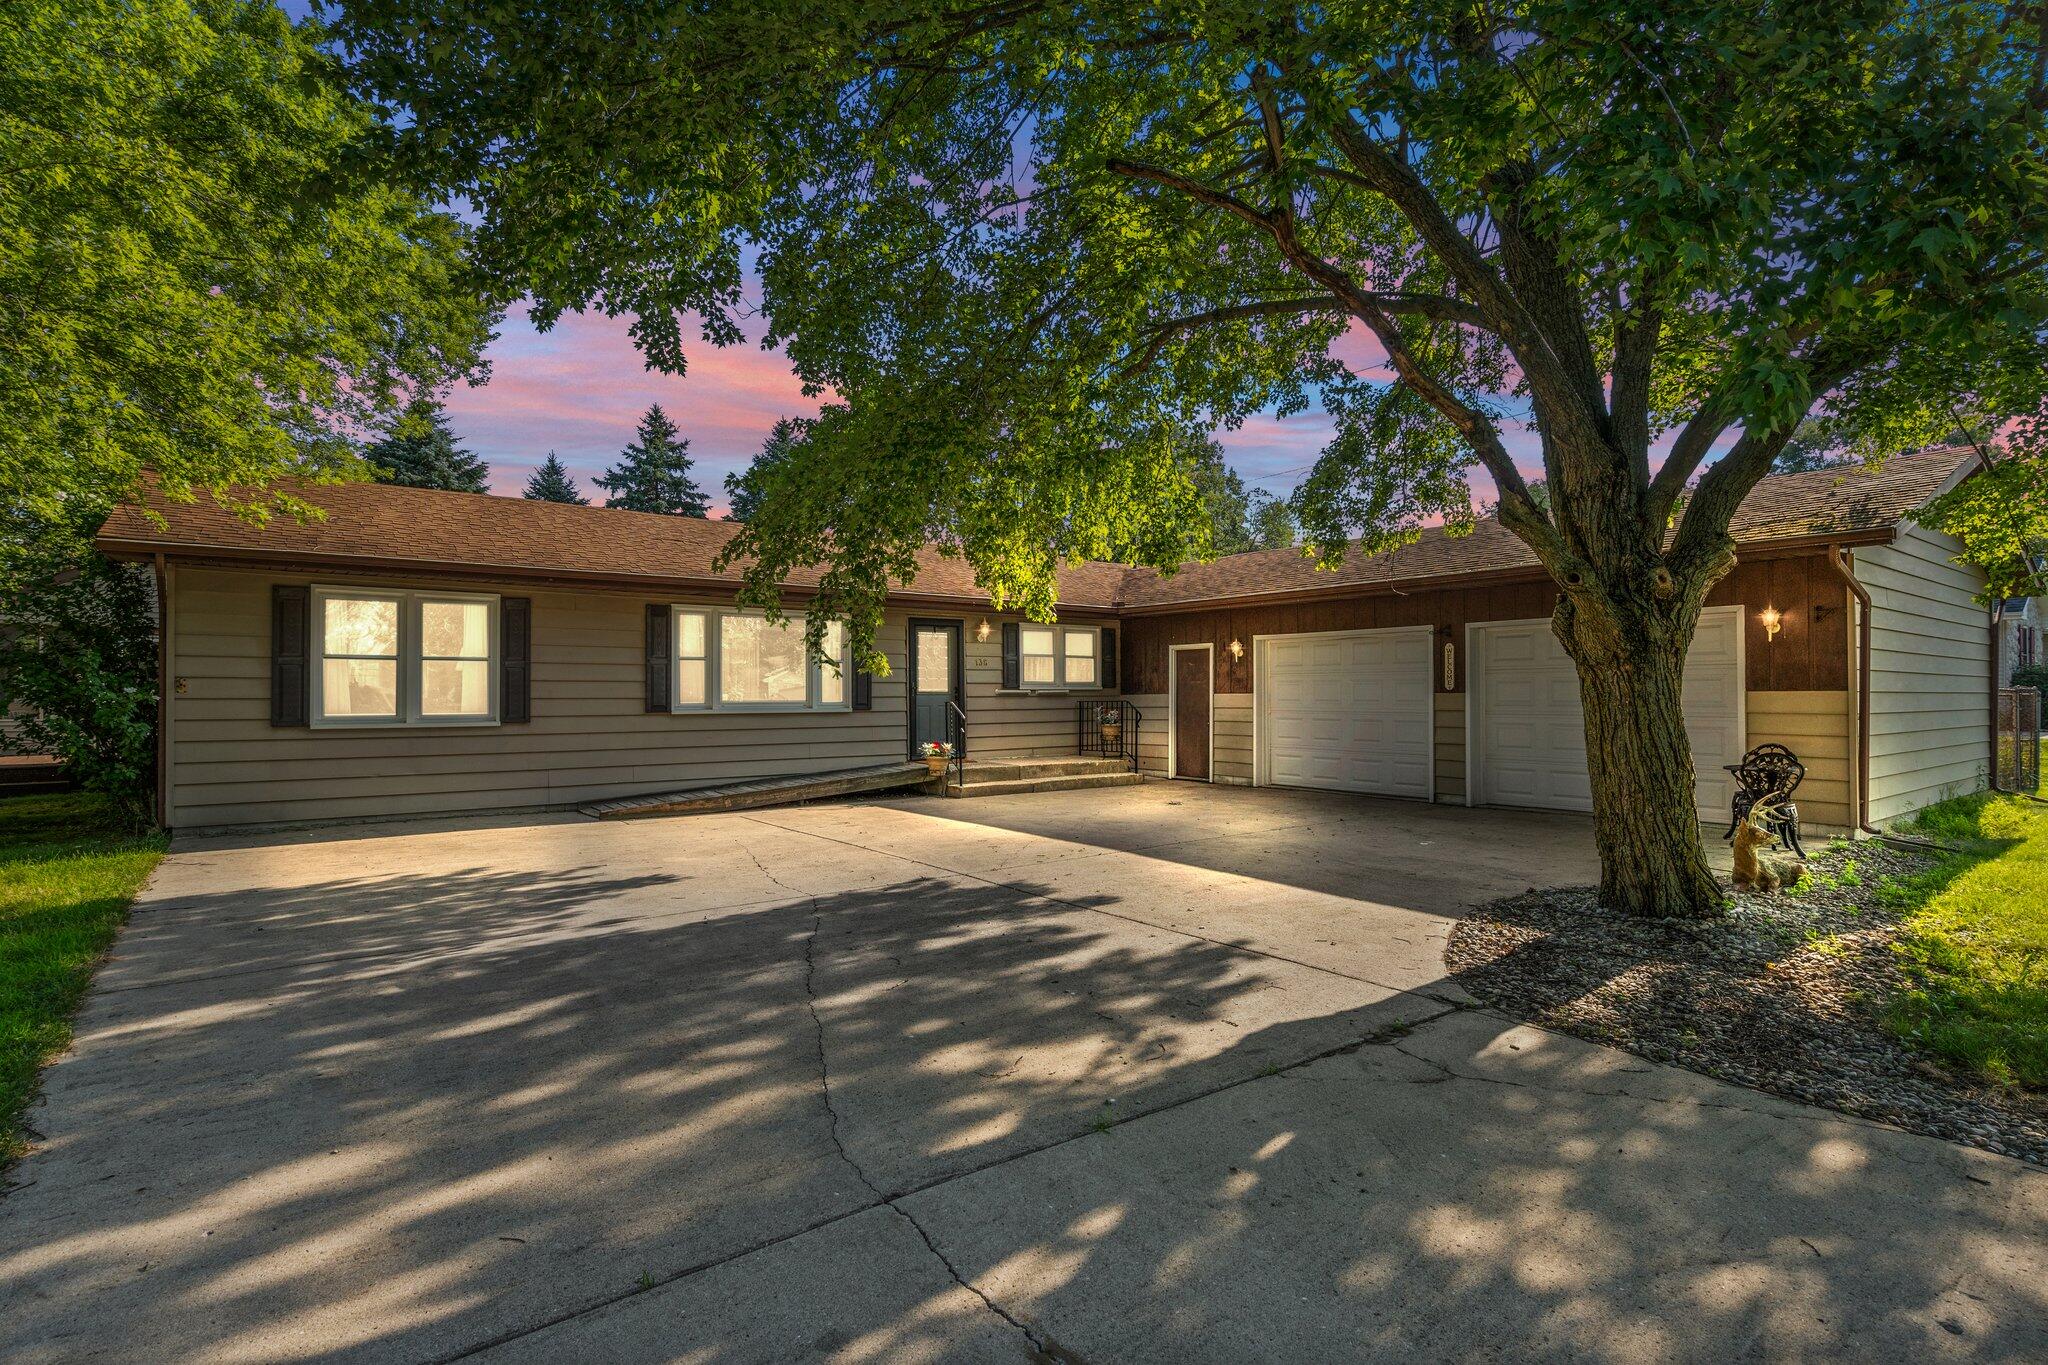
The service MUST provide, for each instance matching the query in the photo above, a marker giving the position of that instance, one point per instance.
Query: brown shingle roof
(428, 530)
(394, 527)
(1840, 501)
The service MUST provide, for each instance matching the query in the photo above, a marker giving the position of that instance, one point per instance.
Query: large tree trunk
(1631, 673)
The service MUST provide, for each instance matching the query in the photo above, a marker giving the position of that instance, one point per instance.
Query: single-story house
(420, 653)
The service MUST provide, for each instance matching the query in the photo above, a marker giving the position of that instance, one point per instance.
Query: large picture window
(395, 658)
(740, 661)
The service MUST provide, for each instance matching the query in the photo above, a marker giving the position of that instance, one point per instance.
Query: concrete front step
(1018, 769)
(1124, 777)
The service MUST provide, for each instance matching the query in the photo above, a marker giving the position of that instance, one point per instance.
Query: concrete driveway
(1167, 1072)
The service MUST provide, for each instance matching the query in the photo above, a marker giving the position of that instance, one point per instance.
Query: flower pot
(1112, 731)
(935, 764)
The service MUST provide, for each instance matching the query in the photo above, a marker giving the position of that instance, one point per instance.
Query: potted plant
(1112, 727)
(937, 753)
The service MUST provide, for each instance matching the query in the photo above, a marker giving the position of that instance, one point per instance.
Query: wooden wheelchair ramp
(766, 791)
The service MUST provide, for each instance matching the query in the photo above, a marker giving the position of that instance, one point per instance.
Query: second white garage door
(1349, 711)
(1528, 741)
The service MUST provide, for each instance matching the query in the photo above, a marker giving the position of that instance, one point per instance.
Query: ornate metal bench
(1769, 772)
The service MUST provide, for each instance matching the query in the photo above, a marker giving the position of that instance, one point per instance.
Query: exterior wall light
(1236, 650)
(981, 631)
(1773, 623)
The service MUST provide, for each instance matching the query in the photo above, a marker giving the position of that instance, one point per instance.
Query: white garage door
(1351, 711)
(1529, 734)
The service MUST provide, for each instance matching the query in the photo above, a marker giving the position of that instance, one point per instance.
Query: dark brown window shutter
(515, 660)
(863, 690)
(1013, 668)
(1109, 678)
(659, 626)
(291, 631)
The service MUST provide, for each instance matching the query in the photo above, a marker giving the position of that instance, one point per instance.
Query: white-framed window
(730, 660)
(389, 657)
(1056, 658)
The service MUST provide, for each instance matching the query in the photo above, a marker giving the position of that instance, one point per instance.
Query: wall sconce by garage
(1236, 651)
(981, 631)
(1773, 622)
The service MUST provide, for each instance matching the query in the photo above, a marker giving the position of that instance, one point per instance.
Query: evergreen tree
(420, 452)
(653, 473)
(743, 490)
(551, 483)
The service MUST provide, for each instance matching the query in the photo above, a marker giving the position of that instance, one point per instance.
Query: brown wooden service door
(1191, 713)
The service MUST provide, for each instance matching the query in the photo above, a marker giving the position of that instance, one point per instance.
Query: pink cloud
(579, 390)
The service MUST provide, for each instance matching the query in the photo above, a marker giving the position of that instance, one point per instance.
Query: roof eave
(1522, 573)
(224, 556)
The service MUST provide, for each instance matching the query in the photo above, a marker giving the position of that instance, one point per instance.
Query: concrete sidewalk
(1163, 1072)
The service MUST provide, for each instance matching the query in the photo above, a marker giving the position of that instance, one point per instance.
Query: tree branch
(1637, 330)
(1697, 437)
(1518, 510)
(1702, 538)
(1194, 189)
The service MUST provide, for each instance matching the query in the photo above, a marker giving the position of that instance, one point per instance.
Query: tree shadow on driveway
(403, 1116)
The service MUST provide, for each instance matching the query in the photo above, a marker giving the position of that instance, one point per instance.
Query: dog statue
(1754, 871)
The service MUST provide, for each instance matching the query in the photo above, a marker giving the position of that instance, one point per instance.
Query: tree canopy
(420, 451)
(551, 483)
(1033, 248)
(1239, 518)
(205, 268)
(1035, 252)
(653, 473)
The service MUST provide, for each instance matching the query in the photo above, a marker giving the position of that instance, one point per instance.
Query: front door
(1191, 714)
(935, 678)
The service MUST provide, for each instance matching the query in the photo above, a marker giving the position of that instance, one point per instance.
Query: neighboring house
(2019, 636)
(420, 652)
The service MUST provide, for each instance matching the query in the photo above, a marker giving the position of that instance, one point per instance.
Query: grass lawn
(1975, 941)
(68, 869)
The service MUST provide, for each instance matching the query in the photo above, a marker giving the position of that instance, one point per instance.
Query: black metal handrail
(956, 737)
(1108, 729)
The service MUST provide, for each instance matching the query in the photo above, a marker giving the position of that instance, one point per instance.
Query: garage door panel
(1351, 712)
(1531, 734)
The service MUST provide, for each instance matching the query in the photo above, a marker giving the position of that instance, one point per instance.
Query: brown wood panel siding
(1810, 653)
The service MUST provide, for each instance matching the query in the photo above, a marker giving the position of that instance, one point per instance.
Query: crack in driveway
(1043, 1349)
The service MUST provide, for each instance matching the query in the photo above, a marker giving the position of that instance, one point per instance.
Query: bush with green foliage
(206, 269)
(2033, 675)
(79, 661)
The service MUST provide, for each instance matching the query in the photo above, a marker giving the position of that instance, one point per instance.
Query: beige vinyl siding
(1232, 761)
(1820, 728)
(1017, 724)
(590, 738)
(1450, 746)
(1930, 667)
(1153, 735)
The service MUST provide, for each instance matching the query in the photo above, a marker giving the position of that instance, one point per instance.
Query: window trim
(416, 657)
(1060, 682)
(409, 659)
(714, 659)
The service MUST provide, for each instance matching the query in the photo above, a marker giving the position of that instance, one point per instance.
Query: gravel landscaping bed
(1783, 994)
